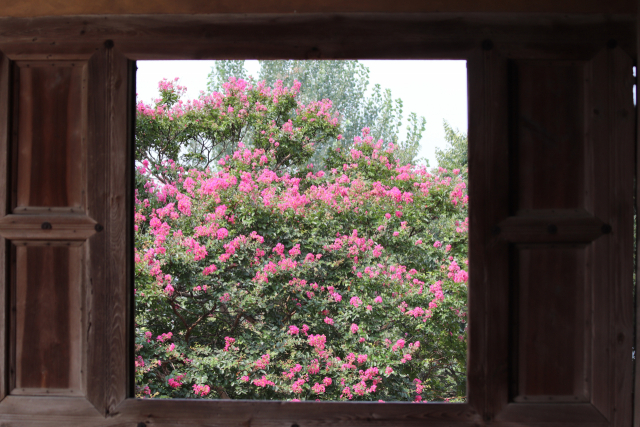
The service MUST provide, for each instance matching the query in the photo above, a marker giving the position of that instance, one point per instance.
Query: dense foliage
(454, 155)
(258, 277)
(345, 83)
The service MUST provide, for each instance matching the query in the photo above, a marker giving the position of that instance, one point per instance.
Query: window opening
(296, 235)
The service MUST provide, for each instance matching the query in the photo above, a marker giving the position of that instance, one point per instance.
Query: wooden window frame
(109, 45)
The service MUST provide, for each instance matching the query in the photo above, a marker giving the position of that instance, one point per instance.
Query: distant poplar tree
(345, 84)
(455, 155)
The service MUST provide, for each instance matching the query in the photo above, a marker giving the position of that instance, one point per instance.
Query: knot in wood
(46, 226)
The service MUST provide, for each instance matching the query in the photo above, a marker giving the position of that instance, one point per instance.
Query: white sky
(436, 90)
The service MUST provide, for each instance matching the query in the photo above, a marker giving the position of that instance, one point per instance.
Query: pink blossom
(399, 344)
(354, 328)
(263, 382)
(222, 233)
(295, 251)
(317, 341)
(314, 367)
(279, 249)
(328, 321)
(201, 390)
(176, 382)
(228, 341)
(263, 361)
(164, 337)
(209, 270)
(293, 330)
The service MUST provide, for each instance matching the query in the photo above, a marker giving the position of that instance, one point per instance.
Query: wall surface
(33, 8)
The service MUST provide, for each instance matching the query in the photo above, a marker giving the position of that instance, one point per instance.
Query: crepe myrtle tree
(346, 84)
(258, 277)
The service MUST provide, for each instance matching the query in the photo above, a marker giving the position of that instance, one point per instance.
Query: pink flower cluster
(201, 390)
(263, 361)
(176, 382)
(263, 382)
(228, 341)
(317, 341)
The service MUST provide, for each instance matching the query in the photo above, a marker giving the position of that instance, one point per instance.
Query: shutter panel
(552, 234)
(64, 226)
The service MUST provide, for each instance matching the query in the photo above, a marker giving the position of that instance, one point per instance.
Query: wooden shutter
(64, 228)
(551, 208)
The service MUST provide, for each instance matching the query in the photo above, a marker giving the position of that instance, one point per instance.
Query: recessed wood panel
(51, 100)
(551, 324)
(547, 122)
(48, 319)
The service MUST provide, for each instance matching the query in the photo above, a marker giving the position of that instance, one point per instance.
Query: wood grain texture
(548, 119)
(234, 413)
(551, 324)
(110, 260)
(120, 227)
(581, 192)
(49, 343)
(225, 413)
(97, 248)
(488, 350)
(69, 227)
(636, 344)
(313, 36)
(610, 132)
(578, 414)
(51, 133)
(5, 300)
(31, 8)
(575, 226)
(623, 131)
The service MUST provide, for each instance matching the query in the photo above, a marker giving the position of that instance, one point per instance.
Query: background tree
(455, 154)
(345, 83)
